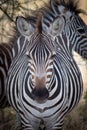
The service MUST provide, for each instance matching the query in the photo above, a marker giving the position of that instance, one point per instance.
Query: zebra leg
(29, 125)
(55, 123)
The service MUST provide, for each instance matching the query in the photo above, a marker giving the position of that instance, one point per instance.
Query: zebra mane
(71, 5)
(39, 23)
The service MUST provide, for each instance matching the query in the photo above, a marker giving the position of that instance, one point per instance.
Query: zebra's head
(40, 53)
(73, 24)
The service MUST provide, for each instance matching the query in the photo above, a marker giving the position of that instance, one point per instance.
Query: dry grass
(77, 119)
(7, 119)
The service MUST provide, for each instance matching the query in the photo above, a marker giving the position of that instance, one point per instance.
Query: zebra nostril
(40, 94)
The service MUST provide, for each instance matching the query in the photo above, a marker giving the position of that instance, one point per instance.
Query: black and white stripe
(44, 82)
(74, 26)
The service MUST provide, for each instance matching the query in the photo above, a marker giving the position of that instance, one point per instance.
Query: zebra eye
(53, 55)
(27, 53)
(29, 57)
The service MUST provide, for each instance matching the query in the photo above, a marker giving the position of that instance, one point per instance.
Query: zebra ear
(57, 26)
(24, 27)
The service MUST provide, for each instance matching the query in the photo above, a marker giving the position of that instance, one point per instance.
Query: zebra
(68, 13)
(44, 82)
(5, 61)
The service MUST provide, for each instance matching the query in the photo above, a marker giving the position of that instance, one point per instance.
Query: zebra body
(69, 20)
(44, 82)
(5, 61)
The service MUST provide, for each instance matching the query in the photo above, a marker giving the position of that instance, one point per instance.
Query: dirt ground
(82, 63)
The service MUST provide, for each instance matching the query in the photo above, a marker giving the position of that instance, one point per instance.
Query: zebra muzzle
(40, 94)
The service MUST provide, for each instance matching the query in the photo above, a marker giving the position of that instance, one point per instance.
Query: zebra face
(40, 55)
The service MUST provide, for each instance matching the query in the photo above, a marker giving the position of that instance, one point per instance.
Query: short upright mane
(39, 23)
(72, 5)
